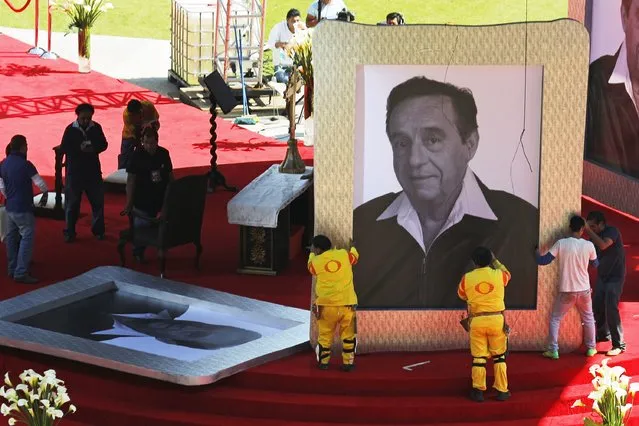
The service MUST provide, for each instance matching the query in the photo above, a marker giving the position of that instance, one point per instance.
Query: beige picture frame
(561, 47)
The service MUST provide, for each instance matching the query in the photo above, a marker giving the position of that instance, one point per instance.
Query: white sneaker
(614, 352)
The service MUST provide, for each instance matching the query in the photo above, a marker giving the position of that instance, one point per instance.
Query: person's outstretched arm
(547, 258)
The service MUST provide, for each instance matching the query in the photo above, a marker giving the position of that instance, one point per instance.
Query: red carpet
(38, 99)
(290, 391)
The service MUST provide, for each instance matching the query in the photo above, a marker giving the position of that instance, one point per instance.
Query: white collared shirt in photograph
(280, 34)
(621, 74)
(471, 201)
(329, 11)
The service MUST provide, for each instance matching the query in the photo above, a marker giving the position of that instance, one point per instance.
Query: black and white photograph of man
(444, 162)
(612, 124)
(159, 327)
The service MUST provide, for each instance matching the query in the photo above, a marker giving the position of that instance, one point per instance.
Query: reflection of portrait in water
(153, 326)
(191, 334)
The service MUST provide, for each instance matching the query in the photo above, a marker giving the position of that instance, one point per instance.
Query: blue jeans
(19, 240)
(73, 198)
(606, 309)
(126, 150)
(282, 74)
(563, 302)
(140, 223)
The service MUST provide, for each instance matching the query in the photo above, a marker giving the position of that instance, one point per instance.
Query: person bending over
(335, 299)
(611, 275)
(573, 254)
(136, 116)
(483, 290)
(149, 172)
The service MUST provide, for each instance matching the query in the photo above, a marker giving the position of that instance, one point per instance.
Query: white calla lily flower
(577, 403)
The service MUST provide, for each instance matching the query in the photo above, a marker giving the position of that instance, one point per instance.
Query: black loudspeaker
(220, 90)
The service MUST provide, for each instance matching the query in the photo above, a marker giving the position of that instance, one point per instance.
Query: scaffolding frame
(249, 17)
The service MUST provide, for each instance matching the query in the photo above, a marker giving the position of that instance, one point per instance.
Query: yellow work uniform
(133, 126)
(336, 300)
(483, 289)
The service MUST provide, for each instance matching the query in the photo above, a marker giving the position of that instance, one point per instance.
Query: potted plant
(39, 400)
(301, 51)
(612, 396)
(83, 15)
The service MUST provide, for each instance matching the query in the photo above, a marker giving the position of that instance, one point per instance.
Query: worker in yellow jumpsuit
(483, 289)
(136, 116)
(335, 299)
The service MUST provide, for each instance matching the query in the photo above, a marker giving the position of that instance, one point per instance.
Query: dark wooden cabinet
(266, 251)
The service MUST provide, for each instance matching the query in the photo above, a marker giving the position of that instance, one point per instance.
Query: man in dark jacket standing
(82, 142)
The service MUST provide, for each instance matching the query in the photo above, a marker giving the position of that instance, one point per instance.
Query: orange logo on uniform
(484, 287)
(332, 266)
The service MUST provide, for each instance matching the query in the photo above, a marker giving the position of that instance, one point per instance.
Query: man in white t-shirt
(574, 254)
(278, 40)
(329, 10)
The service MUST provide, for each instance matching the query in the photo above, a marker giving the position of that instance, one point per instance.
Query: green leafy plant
(83, 14)
(301, 52)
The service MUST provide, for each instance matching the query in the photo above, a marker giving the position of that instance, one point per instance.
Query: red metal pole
(49, 25)
(37, 21)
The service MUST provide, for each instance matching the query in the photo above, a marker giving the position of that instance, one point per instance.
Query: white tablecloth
(261, 201)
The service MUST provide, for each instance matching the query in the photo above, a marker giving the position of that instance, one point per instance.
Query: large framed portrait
(432, 140)
(446, 160)
(612, 125)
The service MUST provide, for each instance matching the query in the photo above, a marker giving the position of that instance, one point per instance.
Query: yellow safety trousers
(331, 317)
(488, 339)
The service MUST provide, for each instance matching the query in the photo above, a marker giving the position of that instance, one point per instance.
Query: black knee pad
(353, 342)
(322, 352)
(476, 362)
(499, 358)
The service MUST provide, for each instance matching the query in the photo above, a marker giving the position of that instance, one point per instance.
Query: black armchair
(179, 223)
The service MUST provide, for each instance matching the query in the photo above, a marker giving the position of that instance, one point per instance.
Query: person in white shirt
(278, 40)
(329, 10)
(574, 254)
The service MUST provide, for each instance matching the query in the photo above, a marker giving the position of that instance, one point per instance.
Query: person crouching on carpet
(335, 299)
(483, 290)
(148, 175)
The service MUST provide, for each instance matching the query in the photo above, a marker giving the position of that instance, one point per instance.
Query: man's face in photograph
(630, 22)
(429, 156)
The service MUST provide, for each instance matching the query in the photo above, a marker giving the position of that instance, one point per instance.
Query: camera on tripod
(345, 16)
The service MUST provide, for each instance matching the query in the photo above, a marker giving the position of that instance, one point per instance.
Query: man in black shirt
(611, 275)
(149, 172)
(82, 143)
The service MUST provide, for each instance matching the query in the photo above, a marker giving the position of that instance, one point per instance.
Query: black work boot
(477, 395)
(502, 396)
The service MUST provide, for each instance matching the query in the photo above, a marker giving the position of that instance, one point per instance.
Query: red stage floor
(290, 391)
(38, 99)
